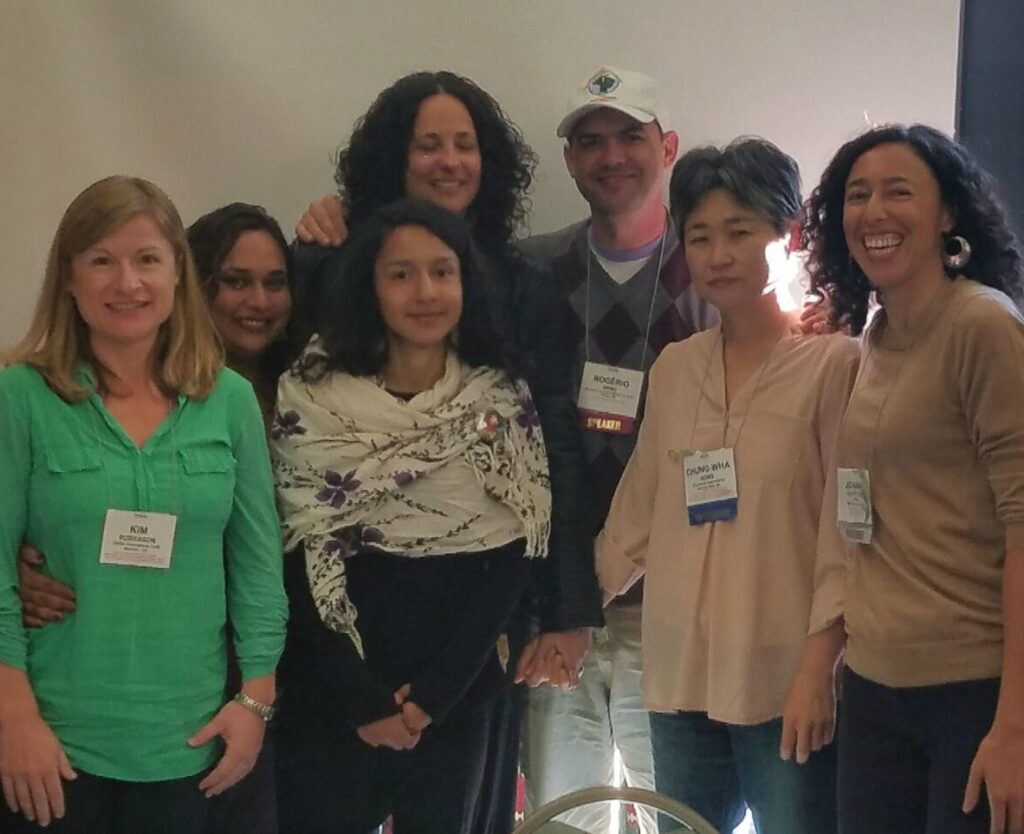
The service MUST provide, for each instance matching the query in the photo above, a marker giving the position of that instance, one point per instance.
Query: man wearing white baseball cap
(628, 285)
(632, 93)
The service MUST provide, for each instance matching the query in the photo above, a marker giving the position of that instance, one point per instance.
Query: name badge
(138, 540)
(710, 480)
(609, 398)
(854, 511)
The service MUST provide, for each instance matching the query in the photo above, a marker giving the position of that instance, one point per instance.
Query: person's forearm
(262, 689)
(821, 649)
(17, 700)
(1010, 709)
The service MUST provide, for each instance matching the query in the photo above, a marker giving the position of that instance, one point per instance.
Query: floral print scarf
(353, 468)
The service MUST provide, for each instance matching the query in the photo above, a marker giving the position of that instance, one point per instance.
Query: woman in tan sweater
(930, 473)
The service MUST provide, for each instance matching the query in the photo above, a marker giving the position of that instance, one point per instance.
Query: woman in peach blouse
(720, 508)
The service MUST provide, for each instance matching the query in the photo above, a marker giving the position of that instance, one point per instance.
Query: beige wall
(218, 100)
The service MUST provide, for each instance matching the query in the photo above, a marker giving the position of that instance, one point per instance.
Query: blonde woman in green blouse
(139, 466)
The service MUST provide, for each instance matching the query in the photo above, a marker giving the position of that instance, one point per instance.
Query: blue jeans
(571, 737)
(720, 769)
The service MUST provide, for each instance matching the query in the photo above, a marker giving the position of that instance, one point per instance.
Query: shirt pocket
(71, 485)
(208, 471)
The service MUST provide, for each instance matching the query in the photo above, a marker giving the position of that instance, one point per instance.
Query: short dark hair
(371, 169)
(752, 170)
(968, 193)
(211, 239)
(353, 335)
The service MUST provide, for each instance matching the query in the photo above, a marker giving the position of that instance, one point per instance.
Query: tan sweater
(728, 605)
(937, 418)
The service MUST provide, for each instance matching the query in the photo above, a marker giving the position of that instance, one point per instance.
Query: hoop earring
(956, 251)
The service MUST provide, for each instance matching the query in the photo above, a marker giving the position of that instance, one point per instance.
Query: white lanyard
(650, 311)
(709, 477)
(134, 538)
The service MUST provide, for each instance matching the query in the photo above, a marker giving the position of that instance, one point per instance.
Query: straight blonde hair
(188, 353)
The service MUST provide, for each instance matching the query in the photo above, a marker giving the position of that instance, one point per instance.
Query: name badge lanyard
(718, 498)
(137, 538)
(853, 488)
(650, 310)
(609, 397)
(719, 348)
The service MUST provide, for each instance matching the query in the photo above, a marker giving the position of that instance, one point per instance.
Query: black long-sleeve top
(434, 622)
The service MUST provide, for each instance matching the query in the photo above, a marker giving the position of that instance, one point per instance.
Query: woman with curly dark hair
(439, 137)
(394, 151)
(930, 484)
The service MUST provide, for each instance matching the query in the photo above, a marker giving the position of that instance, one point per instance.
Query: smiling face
(725, 250)
(619, 163)
(418, 282)
(894, 217)
(444, 162)
(253, 301)
(124, 285)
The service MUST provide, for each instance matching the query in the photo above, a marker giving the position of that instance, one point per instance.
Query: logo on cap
(603, 83)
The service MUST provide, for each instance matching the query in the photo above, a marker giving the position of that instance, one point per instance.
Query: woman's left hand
(242, 732)
(999, 764)
(809, 714)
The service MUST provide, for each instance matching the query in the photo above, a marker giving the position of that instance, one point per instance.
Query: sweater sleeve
(15, 453)
(567, 583)
(838, 376)
(444, 681)
(314, 266)
(329, 660)
(988, 339)
(622, 544)
(252, 542)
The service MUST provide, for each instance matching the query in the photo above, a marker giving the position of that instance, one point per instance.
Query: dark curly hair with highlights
(371, 169)
(353, 335)
(969, 194)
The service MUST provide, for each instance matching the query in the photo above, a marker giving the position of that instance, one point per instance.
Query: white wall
(220, 100)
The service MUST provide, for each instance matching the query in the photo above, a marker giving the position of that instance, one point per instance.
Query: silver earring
(956, 252)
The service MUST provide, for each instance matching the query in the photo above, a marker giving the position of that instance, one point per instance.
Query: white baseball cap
(632, 93)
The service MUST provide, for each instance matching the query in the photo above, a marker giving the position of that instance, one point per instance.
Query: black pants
(495, 810)
(250, 807)
(95, 805)
(905, 754)
(330, 782)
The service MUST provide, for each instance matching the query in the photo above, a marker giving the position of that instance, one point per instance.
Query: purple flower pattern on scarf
(287, 424)
(334, 493)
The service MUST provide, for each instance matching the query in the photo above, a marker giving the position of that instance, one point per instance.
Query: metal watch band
(264, 711)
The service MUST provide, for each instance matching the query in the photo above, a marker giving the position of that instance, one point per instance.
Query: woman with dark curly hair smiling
(439, 137)
(930, 483)
(388, 158)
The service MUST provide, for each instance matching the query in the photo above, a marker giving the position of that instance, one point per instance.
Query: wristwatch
(264, 711)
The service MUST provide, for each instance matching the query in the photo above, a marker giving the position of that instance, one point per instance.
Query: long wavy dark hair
(371, 169)
(353, 337)
(211, 239)
(969, 194)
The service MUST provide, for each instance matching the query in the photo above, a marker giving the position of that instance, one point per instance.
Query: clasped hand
(555, 658)
(400, 731)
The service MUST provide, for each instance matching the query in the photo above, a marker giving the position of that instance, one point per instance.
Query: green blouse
(140, 666)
